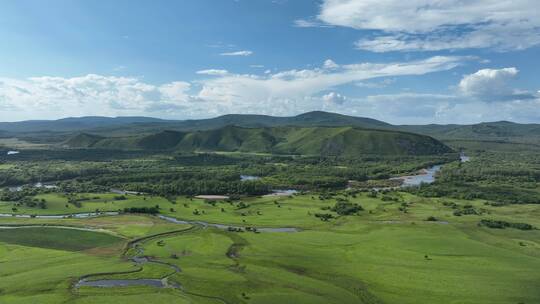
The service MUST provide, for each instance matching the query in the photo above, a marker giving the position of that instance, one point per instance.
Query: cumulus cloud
(276, 93)
(419, 25)
(289, 88)
(89, 95)
(174, 92)
(426, 108)
(279, 93)
(334, 98)
(237, 53)
(492, 85)
(330, 64)
(406, 107)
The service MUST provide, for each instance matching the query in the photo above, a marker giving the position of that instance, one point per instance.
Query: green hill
(349, 141)
(344, 141)
(83, 140)
(309, 119)
(160, 141)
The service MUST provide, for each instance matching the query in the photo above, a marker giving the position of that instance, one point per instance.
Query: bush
(502, 224)
(346, 208)
(146, 210)
(325, 217)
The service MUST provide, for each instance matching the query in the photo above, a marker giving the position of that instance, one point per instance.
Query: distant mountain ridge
(70, 124)
(309, 119)
(125, 126)
(493, 130)
(339, 141)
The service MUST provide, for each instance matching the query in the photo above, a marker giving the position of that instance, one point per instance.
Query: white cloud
(276, 93)
(175, 92)
(213, 72)
(282, 93)
(330, 64)
(304, 23)
(46, 97)
(309, 23)
(492, 85)
(376, 85)
(418, 25)
(334, 98)
(237, 53)
(422, 108)
(404, 107)
(238, 90)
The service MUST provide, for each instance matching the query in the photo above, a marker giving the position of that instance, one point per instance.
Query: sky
(403, 62)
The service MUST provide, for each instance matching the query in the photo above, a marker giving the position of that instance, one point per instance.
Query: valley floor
(399, 249)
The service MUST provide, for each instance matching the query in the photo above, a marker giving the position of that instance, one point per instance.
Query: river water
(426, 176)
(246, 178)
(59, 216)
(122, 283)
(224, 227)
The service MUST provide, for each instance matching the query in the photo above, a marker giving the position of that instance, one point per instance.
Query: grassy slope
(346, 141)
(350, 142)
(83, 140)
(44, 276)
(37, 274)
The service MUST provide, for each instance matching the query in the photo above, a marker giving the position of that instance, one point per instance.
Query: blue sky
(402, 62)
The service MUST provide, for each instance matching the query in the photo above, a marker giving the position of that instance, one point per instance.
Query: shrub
(325, 217)
(346, 208)
(146, 210)
(503, 224)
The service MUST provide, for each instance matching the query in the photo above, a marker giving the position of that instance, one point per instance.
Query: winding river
(139, 258)
(122, 283)
(203, 224)
(226, 227)
(60, 216)
(426, 176)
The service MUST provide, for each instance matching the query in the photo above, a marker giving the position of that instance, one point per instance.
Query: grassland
(57, 238)
(388, 253)
(429, 244)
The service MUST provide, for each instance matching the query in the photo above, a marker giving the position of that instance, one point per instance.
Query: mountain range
(309, 133)
(118, 126)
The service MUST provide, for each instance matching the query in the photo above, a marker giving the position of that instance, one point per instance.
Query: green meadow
(57, 238)
(387, 253)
